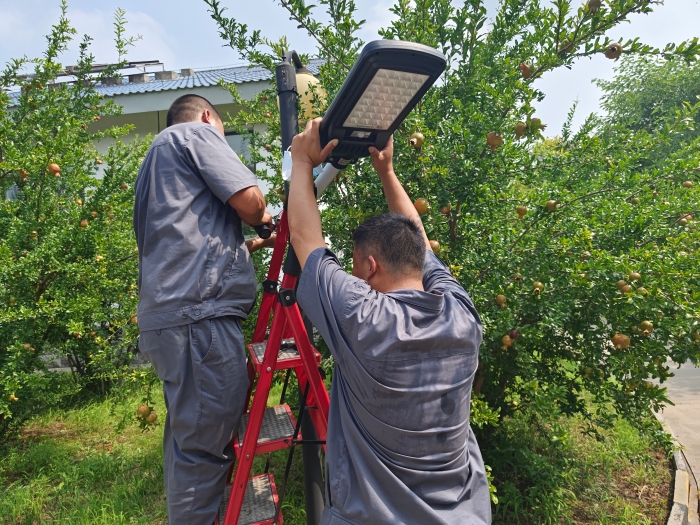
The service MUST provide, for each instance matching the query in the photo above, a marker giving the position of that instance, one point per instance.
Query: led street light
(384, 85)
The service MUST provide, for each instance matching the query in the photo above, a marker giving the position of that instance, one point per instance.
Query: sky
(181, 34)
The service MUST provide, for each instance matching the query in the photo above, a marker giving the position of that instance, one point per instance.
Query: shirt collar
(421, 299)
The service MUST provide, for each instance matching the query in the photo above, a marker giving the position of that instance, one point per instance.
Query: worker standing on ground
(196, 284)
(405, 339)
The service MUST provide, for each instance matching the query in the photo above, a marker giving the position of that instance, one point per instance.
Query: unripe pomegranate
(688, 184)
(507, 341)
(54, 169)
(683, 221)
(501, 300)
(520, 129)
(84, 223)
(551, 206)
(134, 319)
(635, 200)
(494, 140)
(435, 246)
(525, 70)
(642, 291)
(521, 211)
(514, 334)
(620, 341)
(143, 411)
(422, 206)
(124, 186)
(268, 147)
(621, 284)
(635, 276)
(593, 6)
(98, 160)
(646, 327)
(517, 277)
(79, 202)
(151, 418)
(94, 214)
(626, 289)
(24, 174)
(565, 46)
(585, 256)
(613, 51)
(537, 287)
(445, 209)
(536, 123)
(417, 140)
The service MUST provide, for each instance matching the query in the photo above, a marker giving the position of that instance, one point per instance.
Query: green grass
(73, 466)
(621, 478)
(92, 464)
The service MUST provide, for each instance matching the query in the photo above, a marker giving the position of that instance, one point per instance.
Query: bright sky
(181, 34)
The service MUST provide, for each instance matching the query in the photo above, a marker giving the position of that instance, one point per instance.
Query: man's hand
(257, 243)
(382, 160)
(304, 219)
(266, 219)
(306, 146)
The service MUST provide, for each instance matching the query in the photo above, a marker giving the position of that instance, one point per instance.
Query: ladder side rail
(311, 406)
(255, 419)
(318, 388)
(268, 298)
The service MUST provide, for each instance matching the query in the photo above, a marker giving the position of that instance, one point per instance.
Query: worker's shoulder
(183, 133)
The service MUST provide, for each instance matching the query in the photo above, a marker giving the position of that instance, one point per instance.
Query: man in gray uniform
(405, 337)
(196, 282)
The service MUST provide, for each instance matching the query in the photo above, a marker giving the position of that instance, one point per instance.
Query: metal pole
(285, 76)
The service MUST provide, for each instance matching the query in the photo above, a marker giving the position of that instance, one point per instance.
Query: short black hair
(188, 108)
(394, 240)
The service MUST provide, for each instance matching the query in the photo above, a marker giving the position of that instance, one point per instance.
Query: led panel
(386, 96)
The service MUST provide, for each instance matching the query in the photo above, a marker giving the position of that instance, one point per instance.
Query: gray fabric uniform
(399, 448)
(196, 280)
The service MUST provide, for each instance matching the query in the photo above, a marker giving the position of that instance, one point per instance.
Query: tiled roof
(211, 77)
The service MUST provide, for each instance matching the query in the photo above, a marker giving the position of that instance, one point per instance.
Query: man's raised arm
(396, 197)
(304, 218)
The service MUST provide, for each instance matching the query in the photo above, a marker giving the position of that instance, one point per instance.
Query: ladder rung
(258, 503)
(276, 431)
(288, 356)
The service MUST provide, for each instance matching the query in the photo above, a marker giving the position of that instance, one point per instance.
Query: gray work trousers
(205, 381)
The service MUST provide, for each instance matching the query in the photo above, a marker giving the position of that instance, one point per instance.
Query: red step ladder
(254, 500)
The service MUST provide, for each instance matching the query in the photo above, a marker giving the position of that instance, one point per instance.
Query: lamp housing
(383, 86)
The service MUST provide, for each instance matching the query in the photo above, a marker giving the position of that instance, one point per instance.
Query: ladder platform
(258, 503)
(288, 356)
(276, 432)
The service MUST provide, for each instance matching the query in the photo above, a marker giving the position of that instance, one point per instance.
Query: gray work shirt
(193, 262)
(399, 447)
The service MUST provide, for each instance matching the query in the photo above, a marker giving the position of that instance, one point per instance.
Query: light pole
(286, 78)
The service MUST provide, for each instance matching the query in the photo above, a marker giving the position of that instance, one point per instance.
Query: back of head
(189, 108)
(394, 241)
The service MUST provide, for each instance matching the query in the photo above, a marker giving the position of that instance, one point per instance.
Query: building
(146, 97)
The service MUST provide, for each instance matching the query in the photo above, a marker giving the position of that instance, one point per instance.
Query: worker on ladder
(196, 284)
(405, 338)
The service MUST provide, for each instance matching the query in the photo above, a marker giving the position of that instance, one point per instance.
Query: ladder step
(258, 503)
(276, 431)
(288, 356)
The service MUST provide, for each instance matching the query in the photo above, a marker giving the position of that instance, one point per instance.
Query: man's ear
(373, 267)
(206, 116)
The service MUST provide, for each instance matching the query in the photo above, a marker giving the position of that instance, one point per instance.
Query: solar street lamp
(385, 84)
